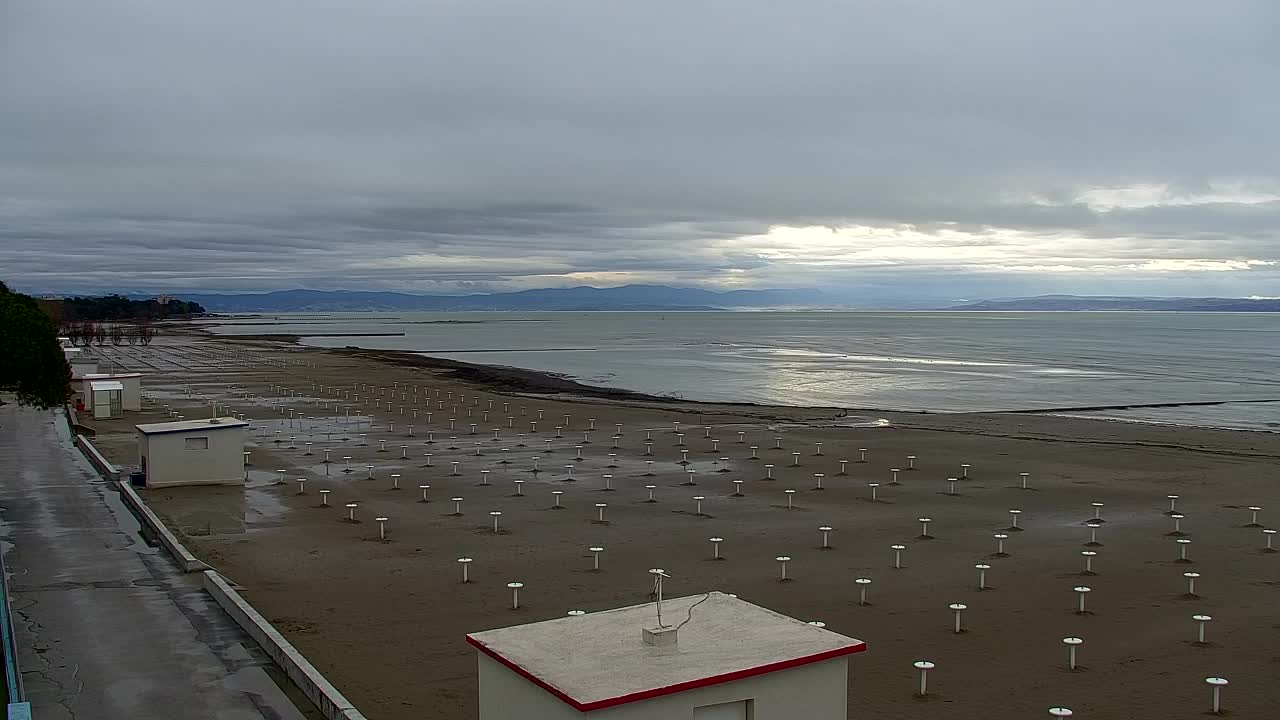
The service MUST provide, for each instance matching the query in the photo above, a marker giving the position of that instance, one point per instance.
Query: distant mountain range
(1102, 302)
(664, 298)
(628, 297)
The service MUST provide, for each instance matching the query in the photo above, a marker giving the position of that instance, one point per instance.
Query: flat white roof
(190, 426)
(111, 376)
(98, 385)
(598, 660)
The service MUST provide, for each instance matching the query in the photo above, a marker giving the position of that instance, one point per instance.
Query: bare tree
(117, 334)
(146, 332)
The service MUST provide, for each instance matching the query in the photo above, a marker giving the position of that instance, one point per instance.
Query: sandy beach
(385, 620)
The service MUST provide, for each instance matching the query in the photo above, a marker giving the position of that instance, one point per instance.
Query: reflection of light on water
(878, 422)
(796, 352)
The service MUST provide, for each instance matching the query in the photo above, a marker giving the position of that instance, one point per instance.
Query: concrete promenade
(107, 627)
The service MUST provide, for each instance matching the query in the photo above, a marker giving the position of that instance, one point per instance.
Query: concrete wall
(326, 697)
(97, 459)
(159, 530)
(811, 692)
(169, 463)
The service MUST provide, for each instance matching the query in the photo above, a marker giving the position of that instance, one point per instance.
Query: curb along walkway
(107, 627)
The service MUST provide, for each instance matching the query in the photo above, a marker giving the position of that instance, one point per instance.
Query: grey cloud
(257, 144)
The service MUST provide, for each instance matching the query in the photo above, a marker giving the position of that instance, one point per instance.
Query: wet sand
(385, 621)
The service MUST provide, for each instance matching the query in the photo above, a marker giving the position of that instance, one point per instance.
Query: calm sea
(947, 362)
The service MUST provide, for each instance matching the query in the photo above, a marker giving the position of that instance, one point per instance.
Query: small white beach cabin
(731, 661)
(130, 391)
(104, 398)
(192, 452)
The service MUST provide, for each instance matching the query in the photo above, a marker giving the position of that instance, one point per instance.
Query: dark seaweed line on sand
(538, 382)
(1135, 406)
(500, 376)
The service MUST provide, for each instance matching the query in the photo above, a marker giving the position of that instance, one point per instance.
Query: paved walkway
(107, 628)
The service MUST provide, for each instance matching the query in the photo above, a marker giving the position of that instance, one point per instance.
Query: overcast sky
(877, 148)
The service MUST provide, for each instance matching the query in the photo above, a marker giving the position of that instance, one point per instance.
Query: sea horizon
(929, 361)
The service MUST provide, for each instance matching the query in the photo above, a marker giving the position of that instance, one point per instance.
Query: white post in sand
(1088, 562)
(924, 666)
(1072, 643)
(1200, 622)
(1082, 591)
(1254, 510)
(862, 584)
(1217, 683)
(924, 528)
(1000, 538)
(1191, 584)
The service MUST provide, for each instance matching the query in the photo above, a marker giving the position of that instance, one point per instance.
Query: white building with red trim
(731, 660)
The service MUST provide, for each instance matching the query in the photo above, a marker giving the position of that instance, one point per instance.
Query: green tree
(32, 364)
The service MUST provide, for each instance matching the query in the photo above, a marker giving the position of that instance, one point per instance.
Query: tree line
(118, 308)
(139, 332)
(32, 365)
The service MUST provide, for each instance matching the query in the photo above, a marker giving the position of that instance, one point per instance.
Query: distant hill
(1087, 302)
(628, 297)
